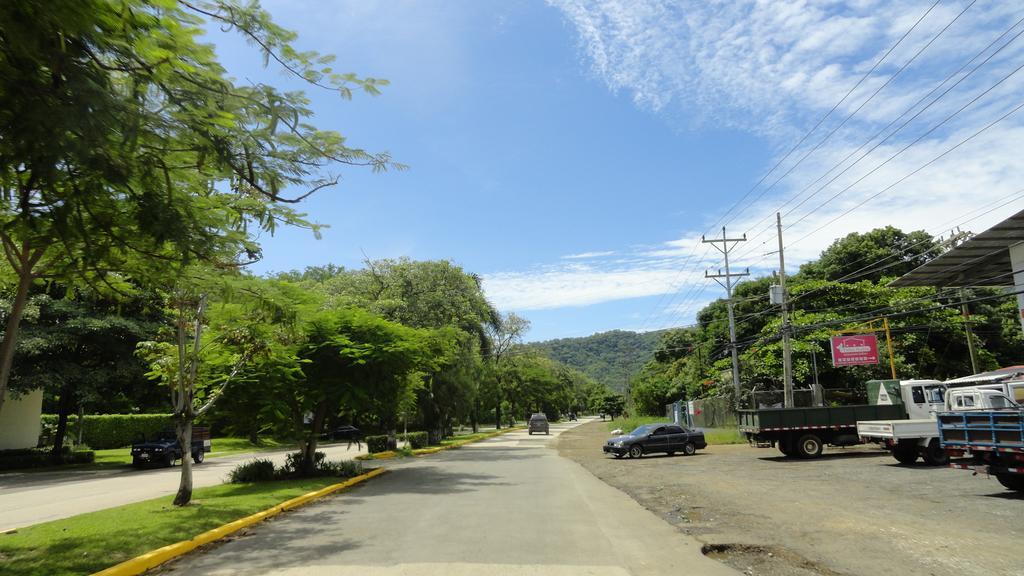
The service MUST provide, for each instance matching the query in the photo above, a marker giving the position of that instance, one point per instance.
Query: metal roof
(982, 260)
(1000, 375)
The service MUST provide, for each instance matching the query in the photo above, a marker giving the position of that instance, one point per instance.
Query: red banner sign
(854, 350)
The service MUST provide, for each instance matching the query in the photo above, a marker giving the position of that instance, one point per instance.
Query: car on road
(164, 448)
(346, 432)
(539, 423)
(653, 438)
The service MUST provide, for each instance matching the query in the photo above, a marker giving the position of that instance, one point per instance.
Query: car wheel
(531, 432)
(546, 432)
(809, 446)
(168, 460)
(198, 457)
(689, 449)
(136, 462)
(636, 451)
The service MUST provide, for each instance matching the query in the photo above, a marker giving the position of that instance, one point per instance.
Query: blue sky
(572, 153)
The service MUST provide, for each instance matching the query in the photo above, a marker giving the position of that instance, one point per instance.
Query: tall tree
(126, 148)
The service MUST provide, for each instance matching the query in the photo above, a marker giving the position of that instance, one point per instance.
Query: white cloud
(588, 255)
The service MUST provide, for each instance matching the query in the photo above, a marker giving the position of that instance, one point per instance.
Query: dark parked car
(539, 423)
(651, 438)
(350, 433)
(164, 449)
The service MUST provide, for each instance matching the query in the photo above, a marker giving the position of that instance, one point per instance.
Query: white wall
(20, 421)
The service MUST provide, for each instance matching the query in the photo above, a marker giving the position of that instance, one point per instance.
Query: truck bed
(771, 419)
(897, 429)
(985, 430)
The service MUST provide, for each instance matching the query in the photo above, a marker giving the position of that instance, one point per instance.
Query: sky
(573, 153)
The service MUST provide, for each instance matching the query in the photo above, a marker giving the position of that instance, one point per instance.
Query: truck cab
(978, 398)
(923, 398)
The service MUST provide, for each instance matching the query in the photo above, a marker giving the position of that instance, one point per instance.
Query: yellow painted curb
(154, 558)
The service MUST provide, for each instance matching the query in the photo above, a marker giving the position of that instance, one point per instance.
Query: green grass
(712, 435)
(221, 447)
(628, 424)
(90, 542)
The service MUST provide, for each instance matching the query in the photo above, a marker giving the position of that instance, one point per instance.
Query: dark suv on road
(539, 423)
(651, 438)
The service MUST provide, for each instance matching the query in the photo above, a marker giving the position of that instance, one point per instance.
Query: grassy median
(90, 542)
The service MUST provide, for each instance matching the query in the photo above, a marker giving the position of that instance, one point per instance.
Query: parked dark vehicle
(350, 433)
(539, 423)
(652, 438)
(164, 448)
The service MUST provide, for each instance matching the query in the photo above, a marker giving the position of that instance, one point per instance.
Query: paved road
(510, 505)
(28, 498)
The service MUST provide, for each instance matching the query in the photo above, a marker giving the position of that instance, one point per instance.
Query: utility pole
(727, 244)
(787, 351)
(967, 328)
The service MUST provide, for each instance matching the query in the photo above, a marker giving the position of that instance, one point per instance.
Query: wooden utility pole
(727, 244)
(967, 329)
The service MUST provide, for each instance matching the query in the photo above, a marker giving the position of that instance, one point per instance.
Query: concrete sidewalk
(28, 498)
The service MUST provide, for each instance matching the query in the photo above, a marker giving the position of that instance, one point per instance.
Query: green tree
(125, 147)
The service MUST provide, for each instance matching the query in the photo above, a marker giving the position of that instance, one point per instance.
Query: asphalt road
(510, 505)
(28, 498)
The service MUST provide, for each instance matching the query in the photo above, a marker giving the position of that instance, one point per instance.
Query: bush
(375, 444)
(259, 470)
(293, 462)
(37, 458)
(416, 440)
(342, 468)
(103, 431)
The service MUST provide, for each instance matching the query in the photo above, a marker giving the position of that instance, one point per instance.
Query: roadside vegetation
(929, 341)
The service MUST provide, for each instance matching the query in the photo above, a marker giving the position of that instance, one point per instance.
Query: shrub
(37, 458)
(416, 440)
(102, 431)
(293, 462)
(259, 470)
(342, 468)
(376, 444)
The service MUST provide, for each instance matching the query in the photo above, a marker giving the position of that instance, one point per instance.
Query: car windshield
(641, 430)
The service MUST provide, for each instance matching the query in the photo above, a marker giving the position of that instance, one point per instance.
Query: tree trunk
(473, 419)
(497, 415)
(313, 435)
(183, 427)
(254, 435)
(63, 408)
(10, 340)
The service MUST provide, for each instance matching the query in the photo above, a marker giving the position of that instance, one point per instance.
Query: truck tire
(1012, 481)
(934, 455)
(809, 446)
(198, 456)
(905, 452)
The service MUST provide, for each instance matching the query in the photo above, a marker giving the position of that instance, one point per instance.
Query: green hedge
(35, 458)
(102, 431)
(375, 444)
(416, 440)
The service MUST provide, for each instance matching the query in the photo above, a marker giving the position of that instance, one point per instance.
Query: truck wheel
(635, 451)
(198, 457)
(1012, 481)
(689, 449)
(934, 455)
(905, 451)
(809, 446)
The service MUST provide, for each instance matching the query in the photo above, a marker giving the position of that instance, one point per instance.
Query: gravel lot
(853, 511)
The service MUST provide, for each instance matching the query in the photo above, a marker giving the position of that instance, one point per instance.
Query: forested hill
(608, 357)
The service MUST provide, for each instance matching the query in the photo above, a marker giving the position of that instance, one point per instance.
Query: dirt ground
(854, 511)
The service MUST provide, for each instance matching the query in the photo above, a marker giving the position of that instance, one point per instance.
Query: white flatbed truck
(918, 436)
